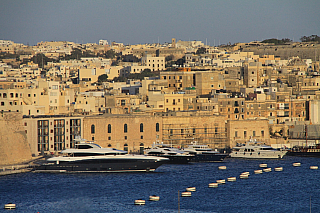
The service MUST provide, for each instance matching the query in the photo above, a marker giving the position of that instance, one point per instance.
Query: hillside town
(130, 96)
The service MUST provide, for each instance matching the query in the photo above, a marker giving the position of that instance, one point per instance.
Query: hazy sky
(146, 21)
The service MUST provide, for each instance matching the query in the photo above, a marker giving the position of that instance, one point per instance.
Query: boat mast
(306, 130)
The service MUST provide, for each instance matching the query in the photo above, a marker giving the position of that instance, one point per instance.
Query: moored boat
(90, 157)
(174, 155)
(305, 151)
(203, 153)
(254, 149)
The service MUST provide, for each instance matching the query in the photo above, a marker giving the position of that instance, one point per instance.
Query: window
(157, 127)
(141, 127)
(109, 138)
(244, 134)
(93, 130)
(125, 128)
(262, 133)
(236, 134)
(141, 137)
(125, 147)
(109, 128)
(254, 133)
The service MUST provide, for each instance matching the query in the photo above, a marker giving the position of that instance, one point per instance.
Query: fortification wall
(287, 51)
(14, 148)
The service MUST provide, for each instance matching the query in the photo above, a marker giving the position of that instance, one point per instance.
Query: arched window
(109, 128)
(141, 127)
(125, 128)
(141, 148)
(109, 145)
(157, 127)
(93, 129)
(125, 147)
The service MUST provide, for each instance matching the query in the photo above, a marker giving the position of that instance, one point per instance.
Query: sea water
(295, 189)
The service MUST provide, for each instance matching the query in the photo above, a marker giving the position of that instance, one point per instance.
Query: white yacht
(203, 153)
(175, 155)
(254, 149)
(90, 157)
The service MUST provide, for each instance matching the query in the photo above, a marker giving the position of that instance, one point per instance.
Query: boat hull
(101, 166)
(303, 154)
(261, 155)
(175, 159)
(209, 157)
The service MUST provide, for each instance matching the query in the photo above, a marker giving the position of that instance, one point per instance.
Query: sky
(150, 21)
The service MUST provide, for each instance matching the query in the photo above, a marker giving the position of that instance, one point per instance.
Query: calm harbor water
(291, 190)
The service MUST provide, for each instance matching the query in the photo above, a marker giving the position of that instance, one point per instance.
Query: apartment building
(153, 63)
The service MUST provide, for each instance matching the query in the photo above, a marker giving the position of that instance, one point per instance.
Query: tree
(310, 38)
(201, 50)
(103, 78)
(180, 61)
(276, 41)
(41, 60)
(110, 54)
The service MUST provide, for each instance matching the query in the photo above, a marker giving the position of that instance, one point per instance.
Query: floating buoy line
(189, 190)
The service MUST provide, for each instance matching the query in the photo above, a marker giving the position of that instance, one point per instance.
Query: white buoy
(296, 164)
(154, 198)
(222, 167)
(263, 165)
(222, 181)
(244, 176)
(232, 179)
(191, 189)
(278, 169)
(186, 194)
(213, 185)
(267, 170)
(259, 171)
(313, 167)
(10, 206)
(245, 173)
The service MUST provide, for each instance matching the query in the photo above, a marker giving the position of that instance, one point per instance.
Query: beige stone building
(153, 63)
(49, 134)
(242, 131)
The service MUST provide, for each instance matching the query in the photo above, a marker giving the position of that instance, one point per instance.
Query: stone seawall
(14, 147)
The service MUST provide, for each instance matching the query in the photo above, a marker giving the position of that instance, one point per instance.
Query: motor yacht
(254, 149)
(91, 157)
(174, 155)
(203, 153)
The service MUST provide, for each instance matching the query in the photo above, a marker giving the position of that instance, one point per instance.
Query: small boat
(313, 167)
(263, 165)
(154, 198)
(256, 150)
